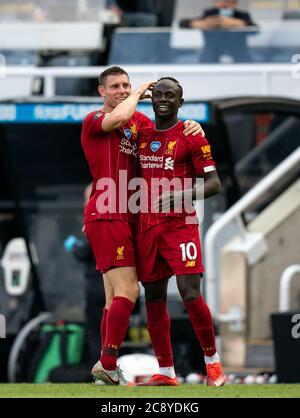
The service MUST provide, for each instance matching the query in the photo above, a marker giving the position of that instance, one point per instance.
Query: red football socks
(159, 330)
(117, 322)
(103, 327)
(202, 323)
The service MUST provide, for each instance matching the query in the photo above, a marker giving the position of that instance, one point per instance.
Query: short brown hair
(110, 71)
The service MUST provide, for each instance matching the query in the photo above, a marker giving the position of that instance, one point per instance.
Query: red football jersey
(172, 156)
(113, 162)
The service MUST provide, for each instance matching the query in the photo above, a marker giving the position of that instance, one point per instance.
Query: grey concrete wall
(264, 277)
(255, 289)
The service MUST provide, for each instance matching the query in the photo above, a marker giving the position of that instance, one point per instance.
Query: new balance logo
(113, 346)
(169, 164)
(190, 263)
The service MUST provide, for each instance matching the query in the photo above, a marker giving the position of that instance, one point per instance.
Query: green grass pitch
(22, 390)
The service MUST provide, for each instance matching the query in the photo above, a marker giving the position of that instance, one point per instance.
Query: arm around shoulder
(125, 110)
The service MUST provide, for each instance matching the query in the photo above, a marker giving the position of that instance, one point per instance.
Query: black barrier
(286, 337)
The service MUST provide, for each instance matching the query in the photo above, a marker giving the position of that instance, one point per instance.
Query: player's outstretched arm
(125, 110)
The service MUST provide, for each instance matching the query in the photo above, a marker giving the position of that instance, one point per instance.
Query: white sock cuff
(212, 359)
(168, 371)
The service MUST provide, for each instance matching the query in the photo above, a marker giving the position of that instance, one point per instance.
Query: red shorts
(172, 247)
(111, 243)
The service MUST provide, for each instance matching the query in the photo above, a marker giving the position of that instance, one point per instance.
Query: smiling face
(114, 89)
(166, 99)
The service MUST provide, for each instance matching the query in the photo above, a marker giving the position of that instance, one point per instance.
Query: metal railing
(262, 86)
(235, 214)
(285, 285)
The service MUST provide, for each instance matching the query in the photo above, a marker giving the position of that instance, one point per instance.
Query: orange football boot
(159, 380)
(215, 375)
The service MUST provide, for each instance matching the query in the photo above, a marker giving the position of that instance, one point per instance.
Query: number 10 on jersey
(188, 251)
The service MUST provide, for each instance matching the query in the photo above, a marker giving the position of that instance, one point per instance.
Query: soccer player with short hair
(109, 140)
(167, 243)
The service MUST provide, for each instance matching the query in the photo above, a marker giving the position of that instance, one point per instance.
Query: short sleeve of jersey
(200, 152)
(146, 122)
(92, 124)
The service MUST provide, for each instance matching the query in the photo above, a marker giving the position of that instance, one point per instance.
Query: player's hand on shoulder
(193, 128)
